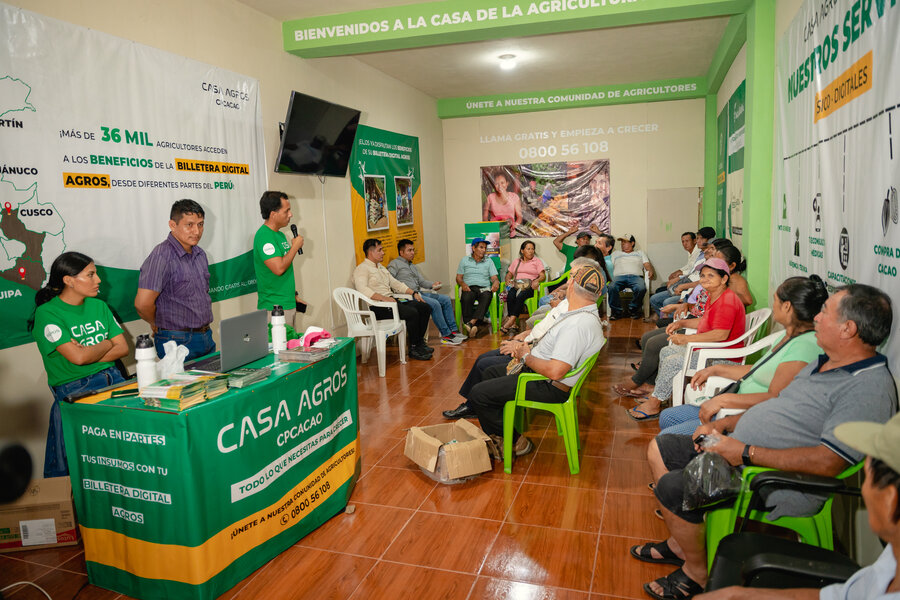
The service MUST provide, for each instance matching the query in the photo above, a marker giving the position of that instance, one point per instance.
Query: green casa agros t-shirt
(56, 322)
(272, 289)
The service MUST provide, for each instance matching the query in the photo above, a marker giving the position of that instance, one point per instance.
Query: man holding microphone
(273, 256)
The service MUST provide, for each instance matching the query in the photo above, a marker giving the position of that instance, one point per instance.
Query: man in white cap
(629, 266)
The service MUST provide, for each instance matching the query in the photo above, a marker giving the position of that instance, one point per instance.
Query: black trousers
(515, 301)
(497, 388)
(414, 313)
(482, 363)
(468, 299)
(651, 343)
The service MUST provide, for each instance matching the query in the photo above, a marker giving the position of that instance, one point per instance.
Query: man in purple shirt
(173, 290)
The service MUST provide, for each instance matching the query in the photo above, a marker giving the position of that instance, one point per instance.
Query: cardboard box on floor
(449, 452)
(42, 518)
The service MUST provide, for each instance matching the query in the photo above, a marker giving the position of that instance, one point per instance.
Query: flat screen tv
(318, 137)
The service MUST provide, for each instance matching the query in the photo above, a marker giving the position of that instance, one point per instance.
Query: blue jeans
(198, 344)
(657, 301)
(55, 464)
(441, 312)
(680, 420)
(636, 283)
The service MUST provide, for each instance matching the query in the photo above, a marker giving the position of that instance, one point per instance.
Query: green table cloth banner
(185, 505)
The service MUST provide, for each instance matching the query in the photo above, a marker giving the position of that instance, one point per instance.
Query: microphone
(296, 233)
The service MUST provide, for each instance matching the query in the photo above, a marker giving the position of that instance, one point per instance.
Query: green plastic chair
(493, 311)
(532, 303)
(566, 414)
(815, 530)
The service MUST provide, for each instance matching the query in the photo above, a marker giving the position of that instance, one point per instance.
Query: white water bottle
(145, 355)
(279, 333)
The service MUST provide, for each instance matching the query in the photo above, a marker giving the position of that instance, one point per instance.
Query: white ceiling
(563, 60)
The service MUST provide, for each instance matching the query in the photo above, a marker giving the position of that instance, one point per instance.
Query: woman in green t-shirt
(795, 304)
(78, 339)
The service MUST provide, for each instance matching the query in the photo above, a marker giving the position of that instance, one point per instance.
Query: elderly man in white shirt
(497, 357)
(629, 266)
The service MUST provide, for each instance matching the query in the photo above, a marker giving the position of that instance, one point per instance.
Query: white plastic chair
(715, 384)
(754, 321)
(363, 324)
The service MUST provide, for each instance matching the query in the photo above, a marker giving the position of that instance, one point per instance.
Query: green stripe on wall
(601, 95)
(758, 148)
(460, 21)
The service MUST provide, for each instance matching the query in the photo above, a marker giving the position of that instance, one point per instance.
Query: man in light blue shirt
(478, 281)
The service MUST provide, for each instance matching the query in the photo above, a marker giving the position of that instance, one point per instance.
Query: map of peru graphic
(94, 153)
(31, 233)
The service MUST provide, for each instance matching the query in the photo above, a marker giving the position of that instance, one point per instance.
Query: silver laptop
(242, 340)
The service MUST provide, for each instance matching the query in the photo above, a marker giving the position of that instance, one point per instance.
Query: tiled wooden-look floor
(539, 533)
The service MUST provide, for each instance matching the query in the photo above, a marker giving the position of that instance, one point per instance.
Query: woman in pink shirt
(527, 266)
(502, 205)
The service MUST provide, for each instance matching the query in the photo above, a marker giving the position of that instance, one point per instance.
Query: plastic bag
(173, 361)
(709, 479)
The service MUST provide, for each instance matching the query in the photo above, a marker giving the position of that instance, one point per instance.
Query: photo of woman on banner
(502, 204)
(555, 196)
(376, 203)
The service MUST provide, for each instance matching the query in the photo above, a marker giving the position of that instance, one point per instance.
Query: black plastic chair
(763, 561)
(757, 560)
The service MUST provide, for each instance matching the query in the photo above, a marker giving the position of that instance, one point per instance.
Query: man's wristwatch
(745, 456)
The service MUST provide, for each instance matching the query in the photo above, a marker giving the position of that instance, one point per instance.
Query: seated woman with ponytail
(795, 304)
(78, 339)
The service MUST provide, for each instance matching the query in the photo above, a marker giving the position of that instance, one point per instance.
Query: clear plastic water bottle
(145, 355)
(279, 332)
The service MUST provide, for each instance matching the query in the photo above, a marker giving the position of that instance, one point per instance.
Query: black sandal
(644, 552)
(676, 586)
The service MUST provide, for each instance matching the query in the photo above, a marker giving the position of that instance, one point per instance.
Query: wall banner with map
(835, 208)
(100, 137)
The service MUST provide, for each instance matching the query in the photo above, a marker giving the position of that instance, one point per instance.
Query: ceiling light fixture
(507, 61)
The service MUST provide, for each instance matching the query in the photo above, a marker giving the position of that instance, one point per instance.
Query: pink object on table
(314, 336)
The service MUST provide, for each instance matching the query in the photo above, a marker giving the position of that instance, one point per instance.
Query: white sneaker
(449, 340)
(460, 338)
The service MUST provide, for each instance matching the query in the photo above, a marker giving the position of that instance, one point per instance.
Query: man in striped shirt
(173, 289)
